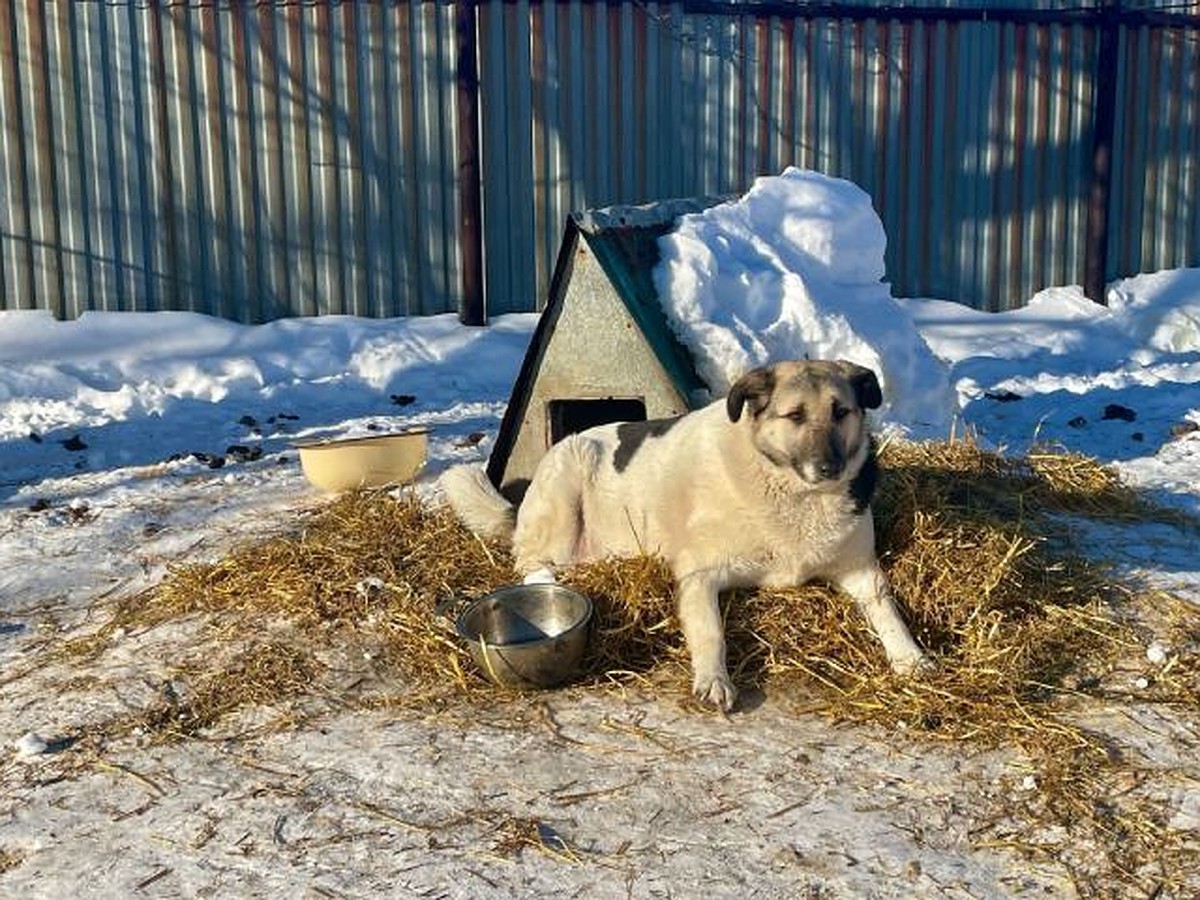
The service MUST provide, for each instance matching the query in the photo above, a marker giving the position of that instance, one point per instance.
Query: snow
(1116, 382)
(119, 437)
(795, 268)
(29, 745)
(1157, 652)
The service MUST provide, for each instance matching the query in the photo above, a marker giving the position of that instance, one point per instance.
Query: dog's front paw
(715, 688)
(913, 666)
(543, 575)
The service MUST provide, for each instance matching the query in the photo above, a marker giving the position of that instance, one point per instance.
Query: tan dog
(769, 487)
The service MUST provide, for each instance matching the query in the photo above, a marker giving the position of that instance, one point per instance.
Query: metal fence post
(1095, 263)
(472, 311)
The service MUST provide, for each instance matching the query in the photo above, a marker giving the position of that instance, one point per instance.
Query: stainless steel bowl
(527, 635)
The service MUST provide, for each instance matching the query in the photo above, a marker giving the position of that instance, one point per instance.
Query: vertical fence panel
(102, 146)
(520, 217)
(446, 167)
(71, 199)
(402, 139)
(494, 150)
(543, 31)
(327, 249)
(17, 248)
(294, 110)
(213, 187)
(434, 160)
(42, 164)
(1153, 160)
(245, 248)
(133, 146)
(373, 115)
(1132, 155)
(1115, 251)
(1188, 224)
(159, 213)
(95, 212)
(274, 198)
(191, 266)
(349, 130)
(1175, 148)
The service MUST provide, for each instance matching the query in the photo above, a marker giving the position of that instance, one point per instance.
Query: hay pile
(1009, 612)
(1016, 621)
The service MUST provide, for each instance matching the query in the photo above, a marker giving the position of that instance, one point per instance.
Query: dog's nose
(827, 470)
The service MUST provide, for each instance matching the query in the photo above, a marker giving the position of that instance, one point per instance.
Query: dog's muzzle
(818, 471)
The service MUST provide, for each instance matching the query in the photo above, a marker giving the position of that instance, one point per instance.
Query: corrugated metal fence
(251, 160)
(264, 159)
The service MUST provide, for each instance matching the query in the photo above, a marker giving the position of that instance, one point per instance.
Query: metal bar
(1130, 17)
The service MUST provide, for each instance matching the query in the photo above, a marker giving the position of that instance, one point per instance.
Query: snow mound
(1161, 310)
(795, 268)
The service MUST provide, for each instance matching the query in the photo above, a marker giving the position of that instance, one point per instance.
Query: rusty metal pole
(472, 311)
(1095, 264)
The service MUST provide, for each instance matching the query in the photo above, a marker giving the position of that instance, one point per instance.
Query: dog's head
(807, 416)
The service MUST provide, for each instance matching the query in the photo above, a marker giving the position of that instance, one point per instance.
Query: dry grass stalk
(261, 674)
(10, 859)
(515, 834)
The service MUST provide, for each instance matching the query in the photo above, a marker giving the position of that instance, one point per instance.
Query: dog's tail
(477, 503)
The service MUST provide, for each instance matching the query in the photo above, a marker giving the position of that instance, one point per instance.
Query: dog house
(603, 350)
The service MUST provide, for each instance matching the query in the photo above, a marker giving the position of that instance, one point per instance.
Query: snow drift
(795, 268)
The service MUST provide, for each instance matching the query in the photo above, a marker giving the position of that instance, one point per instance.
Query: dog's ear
(753, 388)
(865, 384)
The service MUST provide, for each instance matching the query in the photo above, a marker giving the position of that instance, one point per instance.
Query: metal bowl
(527, 635)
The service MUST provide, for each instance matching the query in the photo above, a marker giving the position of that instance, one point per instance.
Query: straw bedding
(988, 582)
(974, 544)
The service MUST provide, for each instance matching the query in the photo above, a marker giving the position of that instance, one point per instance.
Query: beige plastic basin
(341, 464)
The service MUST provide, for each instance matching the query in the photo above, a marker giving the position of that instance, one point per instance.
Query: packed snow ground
(129, 442)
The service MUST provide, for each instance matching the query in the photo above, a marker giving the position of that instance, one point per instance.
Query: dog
(770, 486)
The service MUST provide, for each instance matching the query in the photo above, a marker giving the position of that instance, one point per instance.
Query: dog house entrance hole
(572, 416)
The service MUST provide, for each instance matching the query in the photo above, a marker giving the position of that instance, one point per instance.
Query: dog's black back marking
(631, 435)
(862, 486)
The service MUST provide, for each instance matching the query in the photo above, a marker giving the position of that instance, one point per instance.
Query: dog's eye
(799, 416)
(840, 412)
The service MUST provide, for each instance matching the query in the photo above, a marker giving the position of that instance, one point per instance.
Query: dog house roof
(624, 241)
